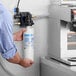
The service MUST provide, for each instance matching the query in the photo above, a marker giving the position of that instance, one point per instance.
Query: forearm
(16, 59)
(22, 62)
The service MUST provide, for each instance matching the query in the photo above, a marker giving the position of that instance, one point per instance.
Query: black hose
(18, 3)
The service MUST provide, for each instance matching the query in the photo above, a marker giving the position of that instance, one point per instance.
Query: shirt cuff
(10, 54)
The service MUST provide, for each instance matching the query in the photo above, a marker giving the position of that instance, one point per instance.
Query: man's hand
(18, 60)
(18, 36)
(26, 62)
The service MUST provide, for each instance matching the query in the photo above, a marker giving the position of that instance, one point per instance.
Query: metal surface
(54, 68)
(59, 46)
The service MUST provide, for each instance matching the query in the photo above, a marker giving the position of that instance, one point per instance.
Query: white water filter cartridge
(28, 39)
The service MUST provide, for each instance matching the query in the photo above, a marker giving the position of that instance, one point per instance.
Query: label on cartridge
(28, 40)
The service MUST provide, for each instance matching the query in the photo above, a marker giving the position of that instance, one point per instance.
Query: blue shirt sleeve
(7, 46)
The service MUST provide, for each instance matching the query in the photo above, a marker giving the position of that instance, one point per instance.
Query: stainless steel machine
(62, 33)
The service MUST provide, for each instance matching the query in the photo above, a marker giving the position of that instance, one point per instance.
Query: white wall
(36, 7)
(55, 1)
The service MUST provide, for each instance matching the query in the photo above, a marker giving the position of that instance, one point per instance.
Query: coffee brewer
(62, 34)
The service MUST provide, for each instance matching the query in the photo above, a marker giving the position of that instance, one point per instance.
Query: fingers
(31, 62)
(26, 63)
